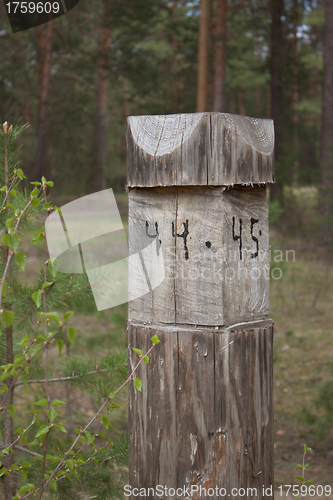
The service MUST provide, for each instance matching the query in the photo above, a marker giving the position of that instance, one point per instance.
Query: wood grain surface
(205, 413)
(215, 249)
(213, 149)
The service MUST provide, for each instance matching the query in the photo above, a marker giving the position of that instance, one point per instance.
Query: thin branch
(23, 432)
(60, 379)
(28, 452)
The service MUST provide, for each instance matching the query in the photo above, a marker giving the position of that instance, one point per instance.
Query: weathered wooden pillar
(198, 204)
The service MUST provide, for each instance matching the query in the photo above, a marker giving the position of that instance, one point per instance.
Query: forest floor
(301, 308)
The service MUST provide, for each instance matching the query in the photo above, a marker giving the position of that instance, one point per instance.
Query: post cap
(199, 149)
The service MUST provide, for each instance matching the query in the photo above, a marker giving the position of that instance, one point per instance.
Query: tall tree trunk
(241, 103)
(326, 151)
(232, 102)
(175, 87)
(295, 97)
(258, 100)
(45, 37)
(203, 56)
(219, 77)
(98, 182)
(277, 90)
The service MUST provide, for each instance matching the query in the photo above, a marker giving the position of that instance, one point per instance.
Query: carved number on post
(156, 236)
(235, 237)
(183, 235)
(253, 222)
(239, 237)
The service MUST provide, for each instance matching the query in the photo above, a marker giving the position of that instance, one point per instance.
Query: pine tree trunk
(277, 90)
(175, 94)
(295, 98)
(219, 77)
(232, 102)
(45, 37)
(203, 56)
(326, 151)
(98, 182)
(241, 102)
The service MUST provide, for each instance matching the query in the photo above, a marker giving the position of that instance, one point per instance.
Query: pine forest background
(77, 79)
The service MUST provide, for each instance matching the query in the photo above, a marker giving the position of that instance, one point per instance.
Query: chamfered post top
(199, 149)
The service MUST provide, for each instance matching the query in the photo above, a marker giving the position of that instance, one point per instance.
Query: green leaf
(299, 478)
(49, 183)
(11, 240)
(41, 402)
(146, 359)
(9, 205)
(46, 206)
(8, 316)
(9, 223)
(43, 430)
(71, 334)
(60, 427)
(11, 412)
(105, 421)
(35, 202)
(70, 464)
(14, 467)
(54, 485)
(57, 402)
(137, 384)
(138, 351)
(308, 481)
(299, 466)
(306, 449)
(52, 414)
(17, 361)
(13, 193)
(27, 487)
(68, 315)
(20, 259)
(3, 471)
(54, 316)
(52, 268)
(306, 466)
(36, 183)
(47, 284)
(4, 289)
(60, 344)
(4, 189)
(20, 174)
(25, 465)
(35, 191)
(155, 340)
(37, 298)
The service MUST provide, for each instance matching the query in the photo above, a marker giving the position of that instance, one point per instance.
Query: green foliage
(317, 415)
(303, 467)
(39, 317)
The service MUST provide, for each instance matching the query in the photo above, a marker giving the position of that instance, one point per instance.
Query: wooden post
(204, 419)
